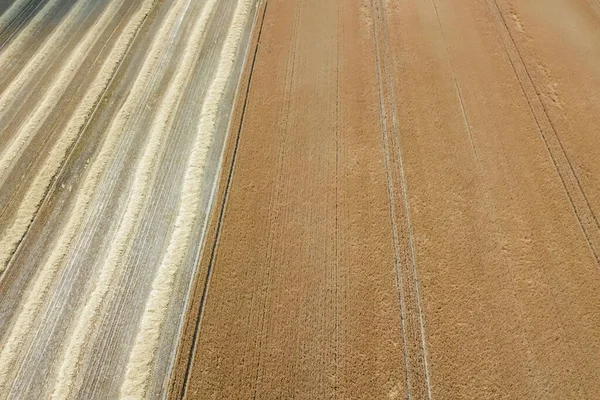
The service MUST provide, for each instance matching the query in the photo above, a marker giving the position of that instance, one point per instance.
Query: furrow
(146, 169)
(37, 295)
(28, 207)
(34, 122)
(142, 355)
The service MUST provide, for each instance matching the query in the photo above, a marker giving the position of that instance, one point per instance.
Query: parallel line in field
(10, 239)
(34, 300)
(48, 100)
(276, 229)
(146, 169)
(456, 85)
(13, 11)
(11, 15)
(53, 124)
(76, 125)
(183, 361)
(417, 378)
(11, 52)
(142, 354)
(578, 199)
(41, 58)
(386, 151)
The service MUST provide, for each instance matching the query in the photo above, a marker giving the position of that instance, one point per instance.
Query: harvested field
(114, 115)
(299, 199)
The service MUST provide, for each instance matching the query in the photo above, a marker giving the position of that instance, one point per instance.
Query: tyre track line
(413, 330)
(142, 354)
(456, 85)
(275, 203)
(581, 206)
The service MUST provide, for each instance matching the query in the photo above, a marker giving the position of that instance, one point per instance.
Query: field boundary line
(183, 362)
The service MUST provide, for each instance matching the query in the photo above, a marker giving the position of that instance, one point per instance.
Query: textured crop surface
(408, 207)
(113, 116)
(311, 199)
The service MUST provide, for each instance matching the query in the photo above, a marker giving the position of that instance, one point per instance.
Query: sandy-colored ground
(406, 204)
(407, 209)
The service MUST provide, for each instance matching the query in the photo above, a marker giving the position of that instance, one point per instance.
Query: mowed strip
(39, 185)
(11, 236)
(146, 169)
(145, 346)
(44, 54)
(48, 99)
(46, 336)
(45, 277)
(26, 36)
(7, 17)
(296, 290)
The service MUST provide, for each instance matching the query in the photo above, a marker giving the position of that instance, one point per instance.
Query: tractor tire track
(577, 197)
(415, 353)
